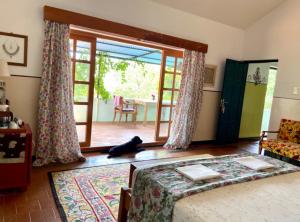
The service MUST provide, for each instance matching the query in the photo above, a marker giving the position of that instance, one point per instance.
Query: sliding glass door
(82, 52)
(168, 92)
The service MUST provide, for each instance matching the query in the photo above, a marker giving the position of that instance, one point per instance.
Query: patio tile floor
(110, 134)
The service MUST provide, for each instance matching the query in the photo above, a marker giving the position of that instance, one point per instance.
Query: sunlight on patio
(132, 72)
(109, 134)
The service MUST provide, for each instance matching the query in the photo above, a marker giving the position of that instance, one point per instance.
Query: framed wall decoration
(210, 75)
(2, 93)
(13, 48)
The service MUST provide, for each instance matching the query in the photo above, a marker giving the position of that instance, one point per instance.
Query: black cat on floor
(129, 147)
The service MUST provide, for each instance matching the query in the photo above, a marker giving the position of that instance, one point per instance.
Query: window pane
(163, 129)
(81, 131)
(83, 50)
(80, 112)
(168, 81)
(179, 65)
(167, 94)
(165, 113)
(170, 63)
(82, 71)
(81, 93)
(177, 82)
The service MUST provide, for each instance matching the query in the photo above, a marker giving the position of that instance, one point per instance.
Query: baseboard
(201, 142)
(249, 139)
(124, 122)
(104, 149)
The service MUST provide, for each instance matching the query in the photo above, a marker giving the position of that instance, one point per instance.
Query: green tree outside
(131, 79)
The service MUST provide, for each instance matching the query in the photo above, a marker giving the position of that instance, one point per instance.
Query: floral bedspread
(156, 189)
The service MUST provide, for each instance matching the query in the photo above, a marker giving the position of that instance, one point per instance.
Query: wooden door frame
(261, 61)
(165, 54)
(170, 52)
(86, 21)
(160, 94)
(114, 37)
(90, 102)
(258, 62)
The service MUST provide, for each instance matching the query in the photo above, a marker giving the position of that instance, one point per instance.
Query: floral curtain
(189, 101)
(57, 139)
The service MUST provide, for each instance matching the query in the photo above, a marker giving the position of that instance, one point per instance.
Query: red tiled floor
(37, 203)
(114, 133)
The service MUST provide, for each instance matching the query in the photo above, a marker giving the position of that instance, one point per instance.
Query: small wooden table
(16, 159)
(145, 103)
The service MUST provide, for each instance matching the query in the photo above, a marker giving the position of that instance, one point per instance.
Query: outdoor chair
(122, 106)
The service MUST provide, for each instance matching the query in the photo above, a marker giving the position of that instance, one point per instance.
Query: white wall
(277, 35)
(26, 17)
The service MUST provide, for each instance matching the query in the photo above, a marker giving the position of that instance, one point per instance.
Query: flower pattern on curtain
(57, 139)
(189, 101)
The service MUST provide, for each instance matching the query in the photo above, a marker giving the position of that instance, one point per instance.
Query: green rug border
(59, 207)
(61, 211)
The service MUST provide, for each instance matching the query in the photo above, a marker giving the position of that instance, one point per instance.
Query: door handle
(222, 105)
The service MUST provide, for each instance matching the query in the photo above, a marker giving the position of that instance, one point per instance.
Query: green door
(231, 103)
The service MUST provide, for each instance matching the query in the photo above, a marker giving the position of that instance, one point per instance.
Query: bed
(275, 198)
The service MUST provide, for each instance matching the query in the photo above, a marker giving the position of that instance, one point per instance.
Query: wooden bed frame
(125, 197)
(125, 200)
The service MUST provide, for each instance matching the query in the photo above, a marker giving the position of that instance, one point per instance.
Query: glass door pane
(82, 71)
(81, 92)
(82, 52)
(169, 89)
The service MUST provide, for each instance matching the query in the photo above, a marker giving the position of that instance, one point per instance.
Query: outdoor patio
(110, 134)
(105, 132)
(132, 72)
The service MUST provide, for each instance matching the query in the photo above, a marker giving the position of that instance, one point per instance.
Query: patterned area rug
(89, 194)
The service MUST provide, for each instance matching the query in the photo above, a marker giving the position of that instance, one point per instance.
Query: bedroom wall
(277, 36)
(26, 17)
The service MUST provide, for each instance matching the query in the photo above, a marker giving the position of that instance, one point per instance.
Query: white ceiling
(237, 13)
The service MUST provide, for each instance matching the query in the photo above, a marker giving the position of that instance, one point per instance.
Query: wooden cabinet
(15, 157)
